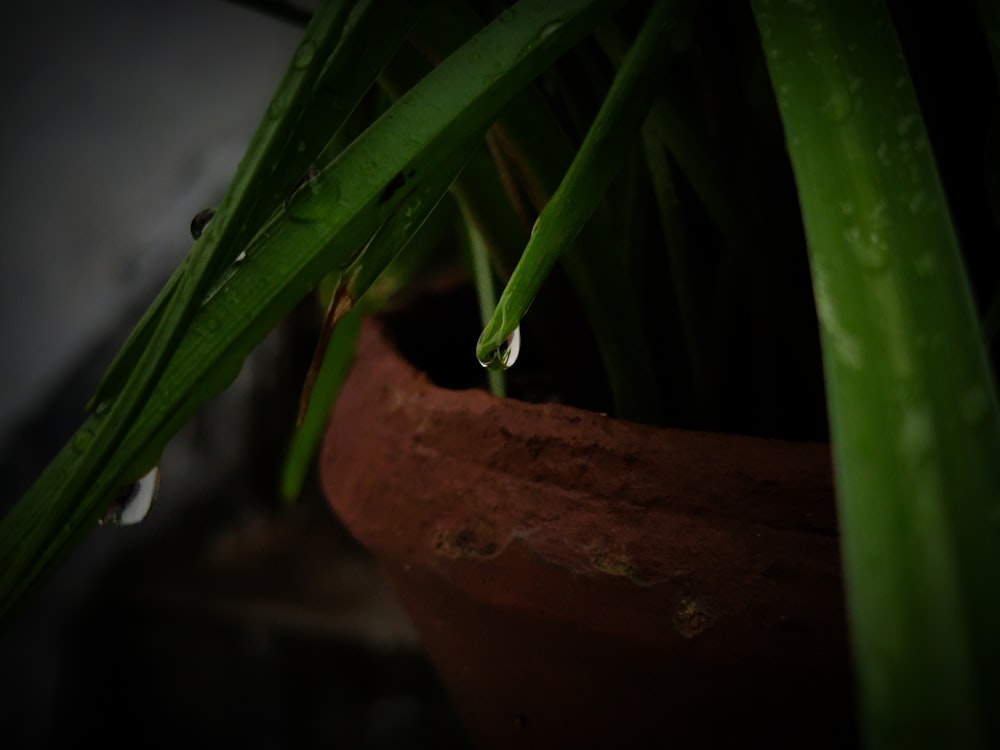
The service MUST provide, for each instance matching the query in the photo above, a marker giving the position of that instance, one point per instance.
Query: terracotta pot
(580, 581)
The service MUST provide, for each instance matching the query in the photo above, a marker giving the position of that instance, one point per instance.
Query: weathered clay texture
(580, 581)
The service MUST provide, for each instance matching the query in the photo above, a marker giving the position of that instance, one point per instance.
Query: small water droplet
(868, 240)
(504, 355)
(412, 208)
(102, 407)
(845, 345)
(240, 258)
(200, 221)
(549, 29)
(82, 439)
(838, 106)
(508, 15)
(305, 55)
(916, 433)
(279, 105)
(132, 504)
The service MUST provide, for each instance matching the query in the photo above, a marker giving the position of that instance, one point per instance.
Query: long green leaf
(614, 131)
(319, 230)
(913, 409)
(38, 533)
(341, 53)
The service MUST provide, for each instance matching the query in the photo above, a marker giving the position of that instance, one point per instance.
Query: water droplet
(305, 55)
(838, 106)
(845, 345)
(549, 29)
(200, 221)
(916, 433)
(279, 105)
(132, 504)
(240, 258)
(412, 208)
(868, 240)
(102, 407)
(82, 439)
(504, 355)
(508, 15)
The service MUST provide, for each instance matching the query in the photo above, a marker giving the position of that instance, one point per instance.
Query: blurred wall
(121, 120)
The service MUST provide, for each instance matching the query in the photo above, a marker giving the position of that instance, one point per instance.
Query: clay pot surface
(580, 581)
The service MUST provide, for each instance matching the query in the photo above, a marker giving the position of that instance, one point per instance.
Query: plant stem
(486, 292)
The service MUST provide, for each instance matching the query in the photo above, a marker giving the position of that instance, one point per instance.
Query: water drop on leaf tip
(131, 505)
(506, 354)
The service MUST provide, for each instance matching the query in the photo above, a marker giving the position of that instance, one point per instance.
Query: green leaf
(913, 410)
(214, 319)
(614, 132)
(337, 358)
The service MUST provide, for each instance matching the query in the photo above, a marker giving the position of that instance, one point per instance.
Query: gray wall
(121, 119)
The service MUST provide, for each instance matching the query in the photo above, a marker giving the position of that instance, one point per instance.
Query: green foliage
(753, 215)
(914, 419)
